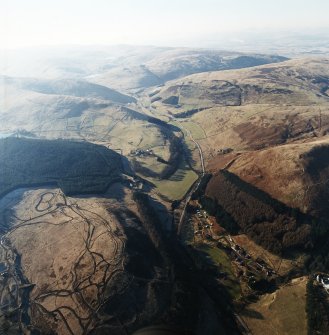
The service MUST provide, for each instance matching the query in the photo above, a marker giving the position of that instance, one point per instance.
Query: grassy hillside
(125, 78)
(75, 167)
(177, 63)
(298, 82)
(172, 63)
(78, 110)
(252, 108)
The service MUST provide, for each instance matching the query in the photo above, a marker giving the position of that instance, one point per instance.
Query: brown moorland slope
(296, 174)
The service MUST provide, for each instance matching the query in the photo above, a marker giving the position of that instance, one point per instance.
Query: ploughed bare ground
(64, 260)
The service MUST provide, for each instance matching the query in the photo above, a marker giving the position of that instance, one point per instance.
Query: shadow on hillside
(251, 313)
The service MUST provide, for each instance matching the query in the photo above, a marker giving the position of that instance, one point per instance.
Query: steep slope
(173, 63)
(69, 87)
(252, 108)
(263, 132)
(178, 63)
(113, 66)
(127, 78)
(278, 197)
(74, 166)
(295, 174)
(295, 82)
(240, 206)
(75, 109)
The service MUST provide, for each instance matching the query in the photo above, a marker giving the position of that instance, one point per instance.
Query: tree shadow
(251, 313)
(179, 176)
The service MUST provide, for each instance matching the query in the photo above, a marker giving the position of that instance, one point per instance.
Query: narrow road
(148, 111)
(196, 184)
(243, 326)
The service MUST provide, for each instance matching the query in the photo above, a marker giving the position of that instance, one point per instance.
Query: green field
(221, 259)
(196, 131)
(177, 185)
